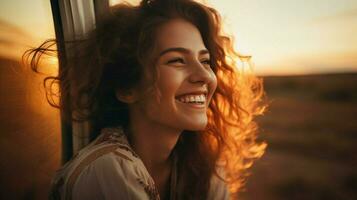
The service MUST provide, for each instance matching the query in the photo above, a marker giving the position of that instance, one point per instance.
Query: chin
(198, 126)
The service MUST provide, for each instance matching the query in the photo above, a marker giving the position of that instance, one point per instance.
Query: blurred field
(29, 135)
(311, 131)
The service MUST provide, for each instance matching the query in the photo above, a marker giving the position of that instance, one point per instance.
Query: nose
(201, 74)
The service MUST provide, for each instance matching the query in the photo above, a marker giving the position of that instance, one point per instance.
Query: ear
(126, 96)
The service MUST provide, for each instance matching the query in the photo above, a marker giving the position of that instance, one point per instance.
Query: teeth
(200, 99)
(187, 99)
(192, 98)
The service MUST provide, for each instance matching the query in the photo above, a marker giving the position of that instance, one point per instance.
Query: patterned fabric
(108, 168)
(150, 190)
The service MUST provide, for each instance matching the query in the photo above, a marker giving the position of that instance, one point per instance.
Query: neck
(153, 143)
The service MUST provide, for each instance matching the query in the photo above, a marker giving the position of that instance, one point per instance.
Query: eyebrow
(182, 50)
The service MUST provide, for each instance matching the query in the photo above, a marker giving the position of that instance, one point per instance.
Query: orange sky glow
(284, 37)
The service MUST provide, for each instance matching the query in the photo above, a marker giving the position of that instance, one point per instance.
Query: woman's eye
(176, 60)
(206, 62)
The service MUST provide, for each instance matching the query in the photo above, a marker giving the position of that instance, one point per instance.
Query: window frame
(72, 20)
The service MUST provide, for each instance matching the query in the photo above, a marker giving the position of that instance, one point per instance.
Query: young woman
(172, 113)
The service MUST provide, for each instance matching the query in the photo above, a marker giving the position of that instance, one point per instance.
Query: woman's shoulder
(107, 168)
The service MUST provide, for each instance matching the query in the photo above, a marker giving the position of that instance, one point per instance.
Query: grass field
(29, 135)
(311, 131)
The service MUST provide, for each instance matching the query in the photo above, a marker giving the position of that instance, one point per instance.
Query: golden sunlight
(281, 36)
(28, 121)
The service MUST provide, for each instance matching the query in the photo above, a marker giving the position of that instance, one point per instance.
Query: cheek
(161, 100)
(212, 85)
(169, 82)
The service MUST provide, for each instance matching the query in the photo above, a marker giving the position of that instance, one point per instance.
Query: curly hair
(113, 57)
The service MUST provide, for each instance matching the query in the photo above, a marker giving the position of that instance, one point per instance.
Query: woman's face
(186, 82)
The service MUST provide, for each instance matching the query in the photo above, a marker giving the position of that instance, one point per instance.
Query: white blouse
(109, 169)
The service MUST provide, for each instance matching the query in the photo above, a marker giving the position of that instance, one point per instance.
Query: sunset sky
(283, 36)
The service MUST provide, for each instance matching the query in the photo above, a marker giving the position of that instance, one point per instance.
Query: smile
(193, 99)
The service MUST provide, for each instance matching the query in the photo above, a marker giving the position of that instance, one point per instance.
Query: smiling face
(186, 82)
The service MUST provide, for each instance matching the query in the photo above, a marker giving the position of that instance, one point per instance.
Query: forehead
(179, 33)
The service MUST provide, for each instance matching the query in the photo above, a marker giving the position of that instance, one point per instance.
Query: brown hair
(113, 57)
